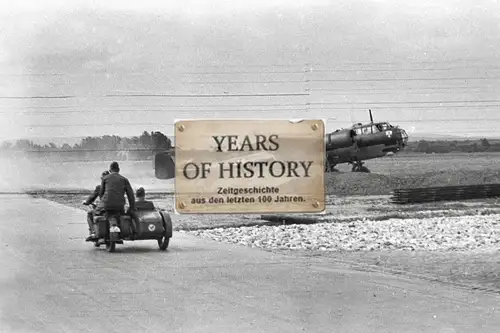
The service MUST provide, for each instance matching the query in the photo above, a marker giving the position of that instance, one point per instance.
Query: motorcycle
(149, 224)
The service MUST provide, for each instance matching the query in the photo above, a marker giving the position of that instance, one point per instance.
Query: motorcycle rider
(114, 187)
(94, 212)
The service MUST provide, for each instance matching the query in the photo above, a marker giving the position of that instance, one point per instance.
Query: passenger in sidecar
(140, 200)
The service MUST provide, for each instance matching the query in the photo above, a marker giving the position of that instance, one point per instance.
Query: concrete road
(52, 281)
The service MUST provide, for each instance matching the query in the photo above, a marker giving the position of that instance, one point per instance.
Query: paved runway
(52, 281)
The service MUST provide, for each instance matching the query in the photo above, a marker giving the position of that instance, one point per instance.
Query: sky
(430, 66)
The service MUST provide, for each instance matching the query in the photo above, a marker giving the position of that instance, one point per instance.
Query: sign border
(318, 207)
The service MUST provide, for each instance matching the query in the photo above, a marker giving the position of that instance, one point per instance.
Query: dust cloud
(14, 172)
(21, 172)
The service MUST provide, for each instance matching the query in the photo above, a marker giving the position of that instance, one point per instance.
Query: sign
(249, 166)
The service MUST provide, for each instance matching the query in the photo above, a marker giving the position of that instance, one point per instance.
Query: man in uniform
(114, 187)
(96, 211)
(141, 203)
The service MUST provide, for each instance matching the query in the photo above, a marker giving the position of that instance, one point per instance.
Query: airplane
(362, 142)
(351, 145)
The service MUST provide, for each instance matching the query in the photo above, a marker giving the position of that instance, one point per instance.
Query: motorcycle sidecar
(150, 224)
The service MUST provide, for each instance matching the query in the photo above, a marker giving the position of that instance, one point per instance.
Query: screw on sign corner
(181, 128)
(316, 204)
(182, 205)
(314, 127)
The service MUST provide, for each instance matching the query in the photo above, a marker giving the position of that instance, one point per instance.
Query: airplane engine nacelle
(341, 139)
(380, 138)
(164, 166)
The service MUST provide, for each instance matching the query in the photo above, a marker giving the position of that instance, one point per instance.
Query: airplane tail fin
(164, 166)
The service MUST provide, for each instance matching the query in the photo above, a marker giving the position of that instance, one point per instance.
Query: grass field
(405, 164)
(387, 173)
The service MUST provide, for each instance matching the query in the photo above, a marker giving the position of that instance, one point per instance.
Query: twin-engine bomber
(363, 142)
(352, 145)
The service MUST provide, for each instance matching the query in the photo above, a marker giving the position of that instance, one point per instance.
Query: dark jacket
(144, 205)
(91, 198)
(114, 187)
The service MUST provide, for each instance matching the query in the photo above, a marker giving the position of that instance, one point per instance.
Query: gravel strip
(467, 233)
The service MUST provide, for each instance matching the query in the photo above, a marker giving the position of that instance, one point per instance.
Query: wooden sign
(249, 166)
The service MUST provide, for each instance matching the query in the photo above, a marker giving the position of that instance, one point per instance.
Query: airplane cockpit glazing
(383, 126)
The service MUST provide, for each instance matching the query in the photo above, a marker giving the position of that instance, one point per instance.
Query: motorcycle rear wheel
(110, 246)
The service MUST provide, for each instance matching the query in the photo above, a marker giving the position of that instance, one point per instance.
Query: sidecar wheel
(163, 243)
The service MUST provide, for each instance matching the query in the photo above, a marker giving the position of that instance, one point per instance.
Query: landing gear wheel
(96, 244)
(110, 246)
(360, 168)
(327, 166)
(330, 167)
(364, 169)
(163, 243)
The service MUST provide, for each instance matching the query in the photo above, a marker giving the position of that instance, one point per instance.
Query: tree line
(148, 143)
(92, 148)
(453, 146)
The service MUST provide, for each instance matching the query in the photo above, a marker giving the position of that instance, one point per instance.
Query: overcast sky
(429, 66)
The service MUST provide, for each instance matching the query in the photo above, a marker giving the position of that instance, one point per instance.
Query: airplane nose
(404, 137)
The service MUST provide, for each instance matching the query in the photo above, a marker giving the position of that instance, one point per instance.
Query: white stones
(466, 233)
